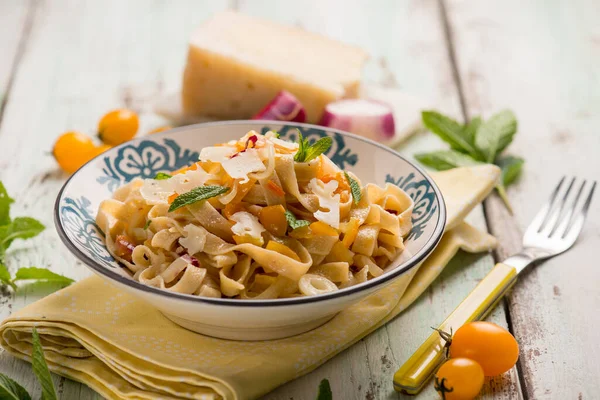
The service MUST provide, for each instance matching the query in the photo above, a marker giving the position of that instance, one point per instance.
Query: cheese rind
(236, 64)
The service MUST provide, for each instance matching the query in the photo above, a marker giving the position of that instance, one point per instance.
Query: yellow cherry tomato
(159, 129)
(72, 150)
(490, 345)
(101, 149)
(118, 126)
(459, 379)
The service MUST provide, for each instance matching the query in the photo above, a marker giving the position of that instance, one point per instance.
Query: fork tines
(563, 216)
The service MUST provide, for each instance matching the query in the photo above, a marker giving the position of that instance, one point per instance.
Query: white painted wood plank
(83, 58)
(13, 27)
(541, 59)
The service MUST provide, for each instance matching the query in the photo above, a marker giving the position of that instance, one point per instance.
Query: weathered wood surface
(541, 59)
(66, 62)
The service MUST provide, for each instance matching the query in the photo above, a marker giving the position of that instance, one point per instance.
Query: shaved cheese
(284, 143)
(217, 154)
(247, 224)
(327, 201)
(194, 240)
(158, 191)
(244, 163)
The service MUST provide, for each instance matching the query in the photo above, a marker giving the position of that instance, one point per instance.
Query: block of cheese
(236, 64)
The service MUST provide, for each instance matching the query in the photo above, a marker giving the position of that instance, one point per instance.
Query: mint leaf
(5, 202)
(40, 368)
(321, 146)
(449, 131)
(324, 391)
(162, 176)
(302, 145)
(354, 188)
(5, 279)
(495, 134)
(198, 194)
(511, 168)
(20, 228)
(11, 390)
(293, 222)
(446, 159)
(470, 130)
(40, 274)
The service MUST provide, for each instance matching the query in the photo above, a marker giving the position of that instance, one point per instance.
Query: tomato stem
(440, 386)
(447, 337)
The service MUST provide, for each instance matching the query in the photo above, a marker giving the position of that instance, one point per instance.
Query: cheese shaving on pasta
(236, 241)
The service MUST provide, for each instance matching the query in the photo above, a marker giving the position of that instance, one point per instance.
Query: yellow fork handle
(420, 367)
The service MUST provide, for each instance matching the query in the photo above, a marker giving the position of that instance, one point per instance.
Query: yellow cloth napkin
(124, 349)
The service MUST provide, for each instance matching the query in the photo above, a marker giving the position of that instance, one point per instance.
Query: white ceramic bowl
(78, 201)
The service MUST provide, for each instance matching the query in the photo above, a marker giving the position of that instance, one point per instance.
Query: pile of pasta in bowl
(256, 218)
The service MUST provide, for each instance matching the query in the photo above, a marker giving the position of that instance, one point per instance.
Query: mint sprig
(5, 202)
(476, 142)
(293, 222)
(198, 194)
(354, 188)
(40, 368)
(307, 152)
(12, 390)
(40, 274)
(446, 159)
(20, 228)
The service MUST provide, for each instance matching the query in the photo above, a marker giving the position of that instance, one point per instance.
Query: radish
(284, 107)
(370, 118)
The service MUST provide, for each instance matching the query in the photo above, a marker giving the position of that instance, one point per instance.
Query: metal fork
(554, 230)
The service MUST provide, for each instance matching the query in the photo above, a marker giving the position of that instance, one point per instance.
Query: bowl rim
(412, 262)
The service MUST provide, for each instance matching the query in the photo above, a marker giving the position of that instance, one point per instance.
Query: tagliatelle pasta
(286, 222)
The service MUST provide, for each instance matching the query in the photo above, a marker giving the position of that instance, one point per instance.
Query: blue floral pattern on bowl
(81, 228)
(144, 160)
(424, 197)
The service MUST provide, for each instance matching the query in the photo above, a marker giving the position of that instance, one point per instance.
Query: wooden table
(65, 63)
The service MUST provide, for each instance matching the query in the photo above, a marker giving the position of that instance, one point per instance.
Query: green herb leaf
(20, 228)
(502, 193)
(449, 131)
(307, 152)
(162, 176)
(5, 279)
(301, 148)
(324, 391)
(446, 159)
(11, 390)
(354, 188)
(5, 201)
(147, 224)
(495, 134)
(277, 135)
(198, 194)
(40, 274)
(511, 168)
(470, 130)
(293, 222)
(40, 368)
(321, 146)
